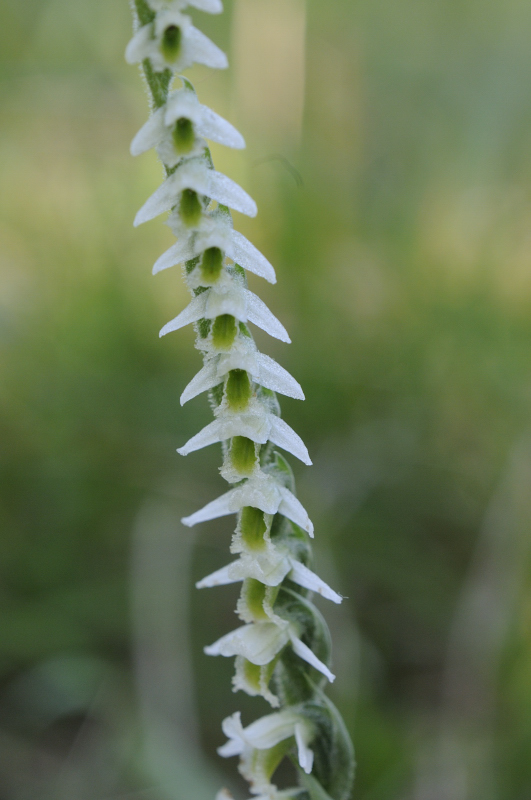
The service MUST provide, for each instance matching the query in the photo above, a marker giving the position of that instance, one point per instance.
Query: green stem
(158, 82)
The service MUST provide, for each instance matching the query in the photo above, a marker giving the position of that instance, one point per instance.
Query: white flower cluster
(247, 422)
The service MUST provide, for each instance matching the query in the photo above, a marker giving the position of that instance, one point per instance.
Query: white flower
(229, 296)
(260, 491)
(210, 6)
(183, 105)
(243, 355)
(195, 175)
(255, 423)
(250, 566)
(269, 564)
(172, 42)
(215, 231)
(266, 732)
(260, 642)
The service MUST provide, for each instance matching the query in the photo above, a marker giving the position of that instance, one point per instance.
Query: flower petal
(228, 193)
(304, 753)
(209, 435)
(247, 256)
(304, 577)
(307, 655)
(179, 252)
(268, 731)
(265, 568)
(205, 379)
(220, 507)
(259, 314)
(210, 6)
(272, 376)
(150, 134)
(221, 577)
(233, 729)
(283, 436)
(204, 51)
(211, 126)
(258, 642)
(294, 510)
(136, 48)
(193, 312)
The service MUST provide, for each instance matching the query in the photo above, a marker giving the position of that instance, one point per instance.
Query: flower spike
(282, 646)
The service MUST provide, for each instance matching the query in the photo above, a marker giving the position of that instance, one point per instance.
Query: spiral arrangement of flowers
(282, 649)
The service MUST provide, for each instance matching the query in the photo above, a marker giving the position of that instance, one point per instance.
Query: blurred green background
(389, 151)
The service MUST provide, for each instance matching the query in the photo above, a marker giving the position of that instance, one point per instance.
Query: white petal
(272, 376)
(179, 252)
(293, 510)
(220, 507)
(192, 313)
(304, 753)
(259, 314)
(233, 730)
(150, 134)
(232, 726)
(247, 256)
(221, 577)
(205, 379)
(268, 731)
(182, 103)
(136, 49)
(282, 435)
(230, 748)
(209, 435)
(228, 193)
(262, 567)
(211, 126)
(258, 642)
(262, 492)
(233, 301)
(210, 6)
(204, 51)
(307, 655)
(309, 580)
(164, 198)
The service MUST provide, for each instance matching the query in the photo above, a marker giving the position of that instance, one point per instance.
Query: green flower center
(183, 136)
(171, 43)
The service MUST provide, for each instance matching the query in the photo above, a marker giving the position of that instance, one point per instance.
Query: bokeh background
(389, 151)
